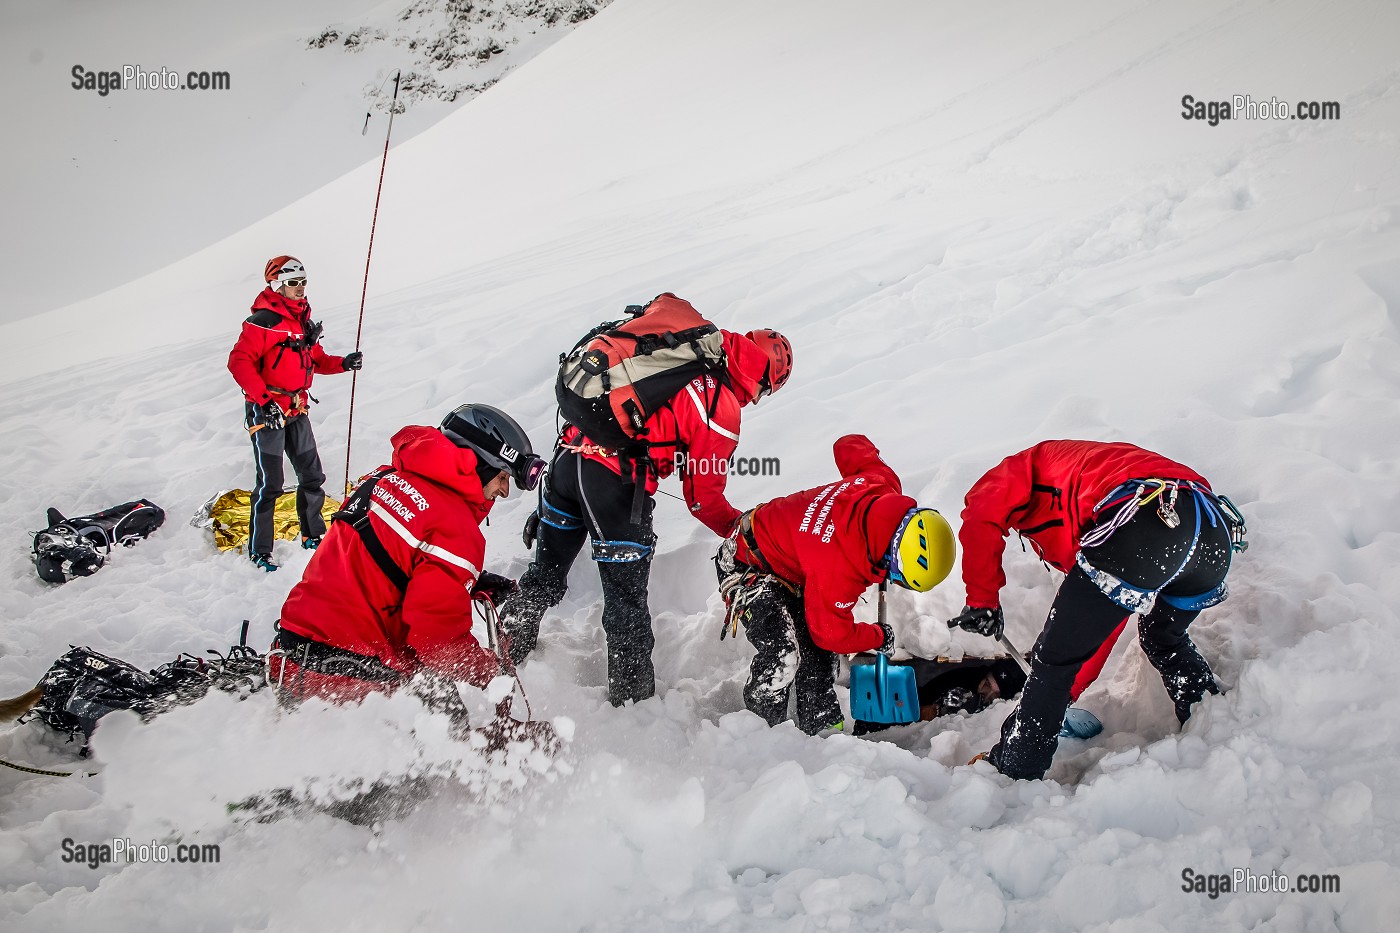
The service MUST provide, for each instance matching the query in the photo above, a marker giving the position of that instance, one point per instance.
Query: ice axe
(1016, 655)
(881, 693)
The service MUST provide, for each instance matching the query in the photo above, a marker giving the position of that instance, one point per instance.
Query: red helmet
(779, 352)
(281, 268)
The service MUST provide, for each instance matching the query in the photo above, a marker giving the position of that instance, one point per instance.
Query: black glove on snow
(887, 646)
(1193, 694)
(494, 587)
(354, 360)
(989, 622)
(271, 415)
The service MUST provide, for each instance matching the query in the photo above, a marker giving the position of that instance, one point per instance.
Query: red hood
(885, 514)
(428, 453)
(747, 364)
(271, 300)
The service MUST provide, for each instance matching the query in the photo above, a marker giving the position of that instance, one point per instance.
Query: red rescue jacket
(1047, 494)
(270, 359)
(828, 540)
(699, 428)
(427, 514)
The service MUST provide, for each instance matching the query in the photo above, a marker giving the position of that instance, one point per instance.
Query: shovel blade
(881, 693)
(1080, 724)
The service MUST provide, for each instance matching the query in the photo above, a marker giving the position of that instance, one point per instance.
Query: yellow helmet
(922, 550)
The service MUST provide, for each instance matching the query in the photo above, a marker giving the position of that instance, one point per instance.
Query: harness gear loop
(589, 449)
(741, 587)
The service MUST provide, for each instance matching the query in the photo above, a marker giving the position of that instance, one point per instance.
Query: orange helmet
(281, 268)
(779, 352)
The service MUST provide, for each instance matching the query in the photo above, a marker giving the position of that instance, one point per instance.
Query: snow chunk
(499, 688)
(972, 904)
(849, 892)
(768, 819)
(1350, 804)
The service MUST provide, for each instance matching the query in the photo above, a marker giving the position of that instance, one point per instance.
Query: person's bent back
(389, 592)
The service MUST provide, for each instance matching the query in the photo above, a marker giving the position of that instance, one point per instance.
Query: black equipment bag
(78, 547)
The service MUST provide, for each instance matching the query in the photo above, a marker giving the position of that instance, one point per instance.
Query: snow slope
(980, 229)
(111, 187)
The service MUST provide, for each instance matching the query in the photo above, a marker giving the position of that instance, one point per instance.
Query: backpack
(622, 372)
(78, 547)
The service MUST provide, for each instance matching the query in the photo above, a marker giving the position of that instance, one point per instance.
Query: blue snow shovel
(881, 693)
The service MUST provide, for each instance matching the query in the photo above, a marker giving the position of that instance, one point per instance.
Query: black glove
(957, 699)
(271, 415)
(311, 333)
(1193, 694)
(494, 587)
(887, 646)
(353, 360)
(989, 622)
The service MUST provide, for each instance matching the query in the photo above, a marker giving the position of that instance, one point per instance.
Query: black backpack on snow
(78, 547)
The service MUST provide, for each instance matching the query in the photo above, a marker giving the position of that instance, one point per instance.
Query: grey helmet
(498, 441)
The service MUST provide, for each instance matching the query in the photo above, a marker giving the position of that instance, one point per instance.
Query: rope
(493, 623)
(364, 288)
(28, 770)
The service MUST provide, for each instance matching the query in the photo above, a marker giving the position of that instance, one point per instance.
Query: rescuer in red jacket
(389, 592)
(794, 568)
(277, 353)
(1134, 532)
(588, 492)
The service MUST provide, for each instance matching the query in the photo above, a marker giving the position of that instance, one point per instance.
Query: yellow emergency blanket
(229, 512)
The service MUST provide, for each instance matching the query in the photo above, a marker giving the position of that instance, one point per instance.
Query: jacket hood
(270, 300)
(428, 453)
(747, 364)
(881, 522)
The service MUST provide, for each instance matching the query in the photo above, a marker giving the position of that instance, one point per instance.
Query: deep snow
(980, 230)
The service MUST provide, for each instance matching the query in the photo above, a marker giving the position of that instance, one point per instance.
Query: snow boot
(263, 562)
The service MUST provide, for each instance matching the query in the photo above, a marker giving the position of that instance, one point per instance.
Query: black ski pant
(786, 661)
(1144, 552)
(298, 444)
(583, 498)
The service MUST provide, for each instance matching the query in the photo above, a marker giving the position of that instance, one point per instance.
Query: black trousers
(1146, 553)
(298, 444)
(786, 661)
(583, 499)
